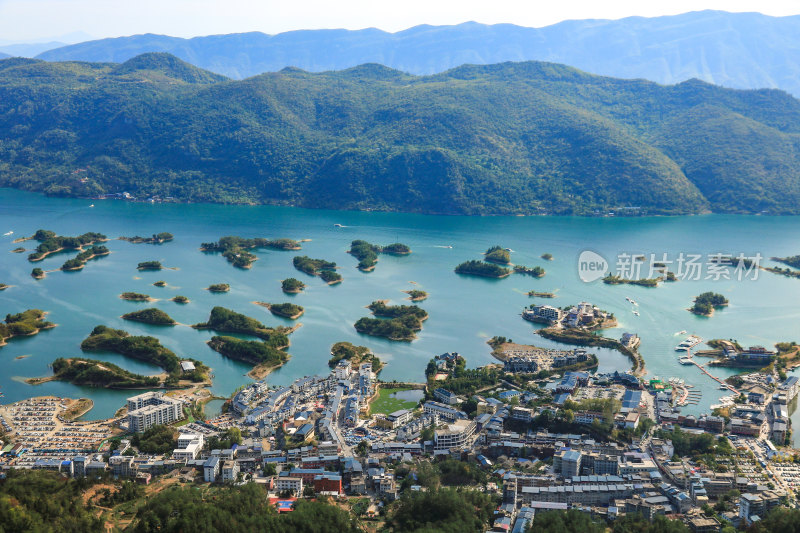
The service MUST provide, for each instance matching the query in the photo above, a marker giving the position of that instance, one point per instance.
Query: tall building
(152, 408)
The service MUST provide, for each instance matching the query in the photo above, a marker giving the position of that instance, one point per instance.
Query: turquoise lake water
(464, 311)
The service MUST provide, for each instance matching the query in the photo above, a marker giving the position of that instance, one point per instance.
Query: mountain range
(738, 50)
(526, 138)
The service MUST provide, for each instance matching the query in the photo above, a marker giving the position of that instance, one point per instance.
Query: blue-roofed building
(561, 398)
(631, 399)
(508, 394)
(304, 432)
(445, 396)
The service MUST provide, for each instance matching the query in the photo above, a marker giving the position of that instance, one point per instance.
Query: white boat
(338, 226)
(690, 342)
(685, 361)
(636, 313)
(634, 302)
(91, 205)
(628, 299)
(7, 234)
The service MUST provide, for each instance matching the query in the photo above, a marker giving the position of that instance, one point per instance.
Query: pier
(715, 378)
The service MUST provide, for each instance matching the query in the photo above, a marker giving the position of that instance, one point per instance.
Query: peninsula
(143, 348)
(262, 355)
(93, 373)
(346, 351)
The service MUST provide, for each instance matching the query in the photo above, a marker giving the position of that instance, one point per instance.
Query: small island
(262, 355)
(93, 373)
(156, 238)
(346, 351)
(18, 250)
(24, 324)
(482, 269)
(286, 310)
(706, 303)
(416, 295)
(497, 254)
(367, 254)
(180, 299)
(50, 243)
(3, 286)
(152, 315)
(219, 287)
(143, 348)
(547, 256)
(396, 322)
(136, 297)
(235, 249)
(292, 286)
(612, 279)
(160, 283)
(226, 321)
(535, 294)
(38, 273)
(149, 265)
(79, 261)
(536, 272)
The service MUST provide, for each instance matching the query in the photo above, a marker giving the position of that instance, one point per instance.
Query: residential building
(211, 469)
(455, 436)
(445, 396)
(444, 411)
(328, 483)
(230, 469)
(293, 484)
(152, 408)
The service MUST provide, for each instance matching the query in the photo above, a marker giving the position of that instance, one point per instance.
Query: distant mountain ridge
(739, 50)
(510, 138)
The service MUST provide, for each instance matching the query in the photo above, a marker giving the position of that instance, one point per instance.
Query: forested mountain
(739, 50)
(509, 138)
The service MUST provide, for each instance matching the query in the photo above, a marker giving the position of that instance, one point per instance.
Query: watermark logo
(591, 266)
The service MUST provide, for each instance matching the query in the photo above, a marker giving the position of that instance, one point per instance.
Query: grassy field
(385, 404)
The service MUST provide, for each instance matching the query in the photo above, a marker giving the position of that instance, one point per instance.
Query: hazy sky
(26, 20)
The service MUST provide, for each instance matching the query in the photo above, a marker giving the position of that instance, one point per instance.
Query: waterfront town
(537, 435)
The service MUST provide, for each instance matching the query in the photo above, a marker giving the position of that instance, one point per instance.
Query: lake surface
(464, 311)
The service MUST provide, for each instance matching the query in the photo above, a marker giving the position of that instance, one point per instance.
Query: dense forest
(226, 321)
(514, 138)
(81, 371)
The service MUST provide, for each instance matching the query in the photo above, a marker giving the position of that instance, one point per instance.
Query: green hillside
(508, 138)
